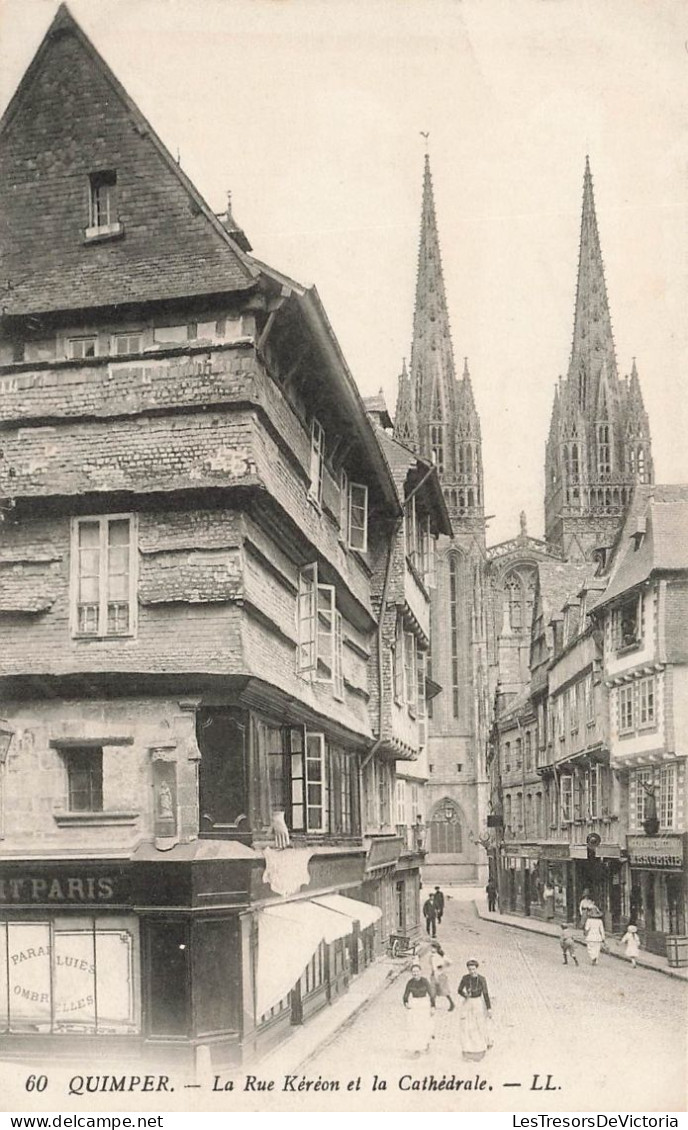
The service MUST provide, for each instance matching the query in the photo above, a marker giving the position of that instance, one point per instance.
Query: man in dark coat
(430, 916)
(438, 900)
(491, 896)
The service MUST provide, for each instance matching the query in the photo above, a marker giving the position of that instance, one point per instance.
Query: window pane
(74, 980)
(29, 976)
(115, 987)
(4, 1018)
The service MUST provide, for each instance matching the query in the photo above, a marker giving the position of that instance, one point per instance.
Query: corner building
(198, 524)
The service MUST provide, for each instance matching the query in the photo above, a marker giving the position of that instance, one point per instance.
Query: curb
(668, 972)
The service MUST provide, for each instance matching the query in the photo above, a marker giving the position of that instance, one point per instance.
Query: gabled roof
(557, 581)
(400, 460)
(70, 117)
(653, 538)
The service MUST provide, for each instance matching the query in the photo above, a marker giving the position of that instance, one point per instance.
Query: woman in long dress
(475, 1037)
(439, 978)
(419, 999)
(594, 934)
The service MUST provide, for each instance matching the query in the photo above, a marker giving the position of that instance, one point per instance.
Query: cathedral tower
(599, 440)
(437, 417)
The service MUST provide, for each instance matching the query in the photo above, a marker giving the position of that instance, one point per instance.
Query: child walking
(568, 946)
(632, 943)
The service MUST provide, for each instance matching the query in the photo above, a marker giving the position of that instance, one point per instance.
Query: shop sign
(555, 851)
(67, 889)
(655, 851)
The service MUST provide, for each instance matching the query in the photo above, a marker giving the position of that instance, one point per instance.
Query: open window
(319, 630)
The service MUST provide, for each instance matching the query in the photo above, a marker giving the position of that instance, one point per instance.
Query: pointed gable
(70, 128)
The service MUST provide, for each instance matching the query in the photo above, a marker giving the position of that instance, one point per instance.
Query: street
(610, 1037)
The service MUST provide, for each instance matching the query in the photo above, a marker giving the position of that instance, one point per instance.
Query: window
(655, 792)
(437, 446)
(454, 630)
(626, 716)
(102, 199)
(422, 704)
(82, 977)
(566, 790)
(589, 700)
(78, 348)
(103, 574)
(357, 524)
(574, 703)
(126, 343)
(338, 674)
(507, 757)
(84, 779)
(528, 750)
(592, 792)
(399, 661)
(445, 829)
(314, 784)
(627, 627)
(646, 701)
(317, 465)
(518, 759)
(561, 717)
(410, 674)
(319, 630)
(604, 457)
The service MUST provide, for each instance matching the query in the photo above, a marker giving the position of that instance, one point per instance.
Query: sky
(311, 113)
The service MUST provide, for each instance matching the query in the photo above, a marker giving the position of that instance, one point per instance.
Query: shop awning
(357, 911)
(289, 935)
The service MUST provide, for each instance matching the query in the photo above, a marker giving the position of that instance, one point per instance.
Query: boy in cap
(568, 946)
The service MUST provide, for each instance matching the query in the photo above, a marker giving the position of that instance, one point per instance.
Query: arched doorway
(446, 834)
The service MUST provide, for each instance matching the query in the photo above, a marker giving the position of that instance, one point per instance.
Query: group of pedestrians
(422, 994)
(433, 909)
(591, 920)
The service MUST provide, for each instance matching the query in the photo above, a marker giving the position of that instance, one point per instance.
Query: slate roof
(664, 546)
(400, 460)
(71, 117)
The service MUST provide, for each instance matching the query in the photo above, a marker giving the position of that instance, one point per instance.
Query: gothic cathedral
(598, 448)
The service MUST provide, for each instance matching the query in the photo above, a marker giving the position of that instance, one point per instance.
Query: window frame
(82, 340)
(92, 758)
(118, 337)
(104, 574)
(647, 703)
(317, 462)
(626, 709)
(566, 806)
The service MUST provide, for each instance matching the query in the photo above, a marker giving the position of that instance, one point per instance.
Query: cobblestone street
(610, 1037)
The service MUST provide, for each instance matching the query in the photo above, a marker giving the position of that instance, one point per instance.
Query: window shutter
(358, 517)
(316, 784)
(422, 706)
(338, 690)
(295, 754)
(306, 611)
(344, 505)
(399, 663)
(325, 633)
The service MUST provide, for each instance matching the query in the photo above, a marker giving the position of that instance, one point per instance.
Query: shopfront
(658, 888)
(554, 884)
(131, 955)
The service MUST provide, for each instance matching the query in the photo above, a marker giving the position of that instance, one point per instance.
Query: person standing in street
(585, 906)
(438, 974)
(632, 943)
(438, 899)
(594, 934)
(568, 946)
(430, 915)
(491, 891)
(419, 999)
(476, 1012)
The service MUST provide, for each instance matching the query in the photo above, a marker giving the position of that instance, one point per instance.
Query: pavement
(565, 1037)
(308, 1042)
(614, 947)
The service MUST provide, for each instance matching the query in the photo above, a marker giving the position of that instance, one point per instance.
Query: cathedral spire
(432, 358)
(593, 341)
(599, 439)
